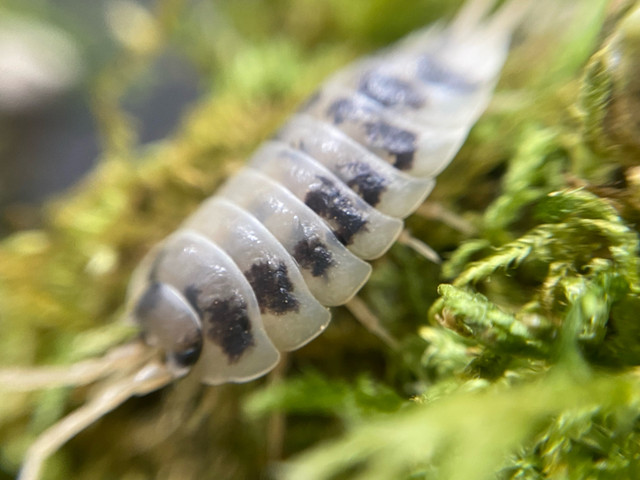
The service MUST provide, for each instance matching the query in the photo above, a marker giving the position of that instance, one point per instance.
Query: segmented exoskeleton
(251, 273)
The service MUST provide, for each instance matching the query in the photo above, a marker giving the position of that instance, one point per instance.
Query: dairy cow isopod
(253, 271)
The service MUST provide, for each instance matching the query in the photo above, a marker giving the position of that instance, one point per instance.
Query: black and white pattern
(252, 272)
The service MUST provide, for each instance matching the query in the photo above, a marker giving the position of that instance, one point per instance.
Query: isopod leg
(366, 317)
(277, 426)
(436, 211)
(149, 378)
(419, 246)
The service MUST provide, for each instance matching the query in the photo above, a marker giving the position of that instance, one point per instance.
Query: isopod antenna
(125, 372)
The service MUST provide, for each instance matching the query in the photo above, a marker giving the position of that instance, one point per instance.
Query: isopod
(253, 271)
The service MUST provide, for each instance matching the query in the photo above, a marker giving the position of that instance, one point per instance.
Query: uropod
(252, 272)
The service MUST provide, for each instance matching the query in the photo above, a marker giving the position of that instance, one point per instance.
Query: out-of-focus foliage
(610, 92)
(522, 364)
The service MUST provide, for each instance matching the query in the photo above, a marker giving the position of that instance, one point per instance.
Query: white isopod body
(251, 273)
(258, 263)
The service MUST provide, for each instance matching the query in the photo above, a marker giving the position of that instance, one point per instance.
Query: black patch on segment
(148, 301)
(272, 287)
(367, 183)
(301, 146)
(226, 322)
(227, 325)
(327, 201)
(313, 255)
(191, 294)
(152, 276)
(188, 351)
(399, 143)
(342, 110)
(390, 91)
(432, 71)
(404, 161)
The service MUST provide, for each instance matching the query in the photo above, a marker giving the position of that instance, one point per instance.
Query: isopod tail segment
(250, 275)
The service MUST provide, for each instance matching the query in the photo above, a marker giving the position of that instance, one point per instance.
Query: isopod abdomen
(252, 272)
